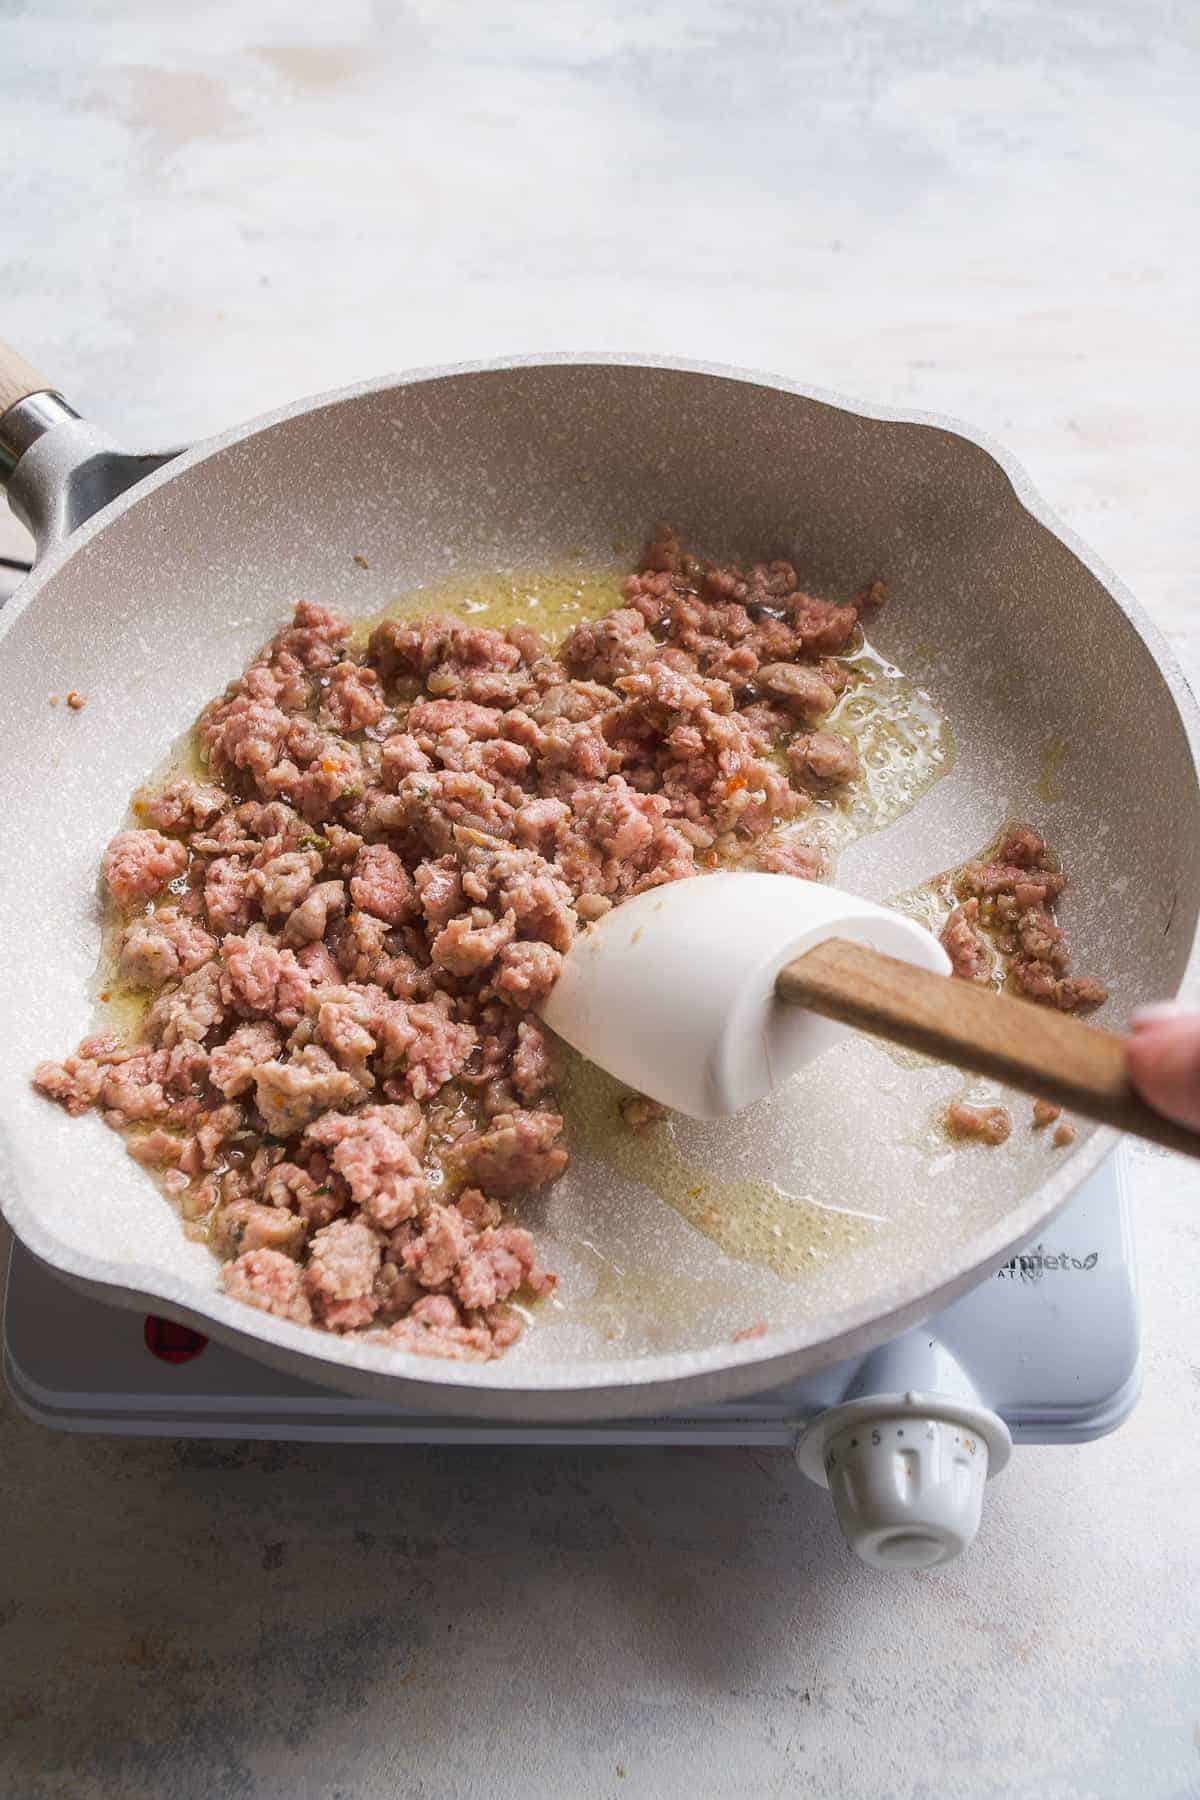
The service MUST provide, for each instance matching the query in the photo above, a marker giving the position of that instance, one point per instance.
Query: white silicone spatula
(707, 994)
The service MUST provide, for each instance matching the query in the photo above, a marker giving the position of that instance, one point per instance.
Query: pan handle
(58, 470)
(30, 406)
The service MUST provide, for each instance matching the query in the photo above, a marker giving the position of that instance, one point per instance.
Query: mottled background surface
(989, 210)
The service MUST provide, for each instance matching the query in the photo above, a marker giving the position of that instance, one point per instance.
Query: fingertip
(1163, 1060)
(1161, 1012)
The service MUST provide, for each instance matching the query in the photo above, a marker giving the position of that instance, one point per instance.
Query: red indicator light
(170, 1342)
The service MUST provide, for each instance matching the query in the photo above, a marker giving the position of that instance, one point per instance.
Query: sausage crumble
(1004, 921)
(1008, 898)
(345, 928)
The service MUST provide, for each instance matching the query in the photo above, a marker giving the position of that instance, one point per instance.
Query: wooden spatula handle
(1047, 1054)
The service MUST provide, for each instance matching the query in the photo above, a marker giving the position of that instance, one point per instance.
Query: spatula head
(674, 991)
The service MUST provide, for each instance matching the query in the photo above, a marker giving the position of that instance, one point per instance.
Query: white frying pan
(1065, 706)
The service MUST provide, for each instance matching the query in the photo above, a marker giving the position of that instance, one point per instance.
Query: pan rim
(605, 1388)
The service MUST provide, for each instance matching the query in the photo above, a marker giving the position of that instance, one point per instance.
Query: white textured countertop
(990, 211)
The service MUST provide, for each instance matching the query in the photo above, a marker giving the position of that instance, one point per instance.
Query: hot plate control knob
(906, 1472)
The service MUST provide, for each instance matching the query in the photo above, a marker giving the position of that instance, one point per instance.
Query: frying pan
(156, 579)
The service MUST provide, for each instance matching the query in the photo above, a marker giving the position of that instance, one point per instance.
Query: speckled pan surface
(1025, 645)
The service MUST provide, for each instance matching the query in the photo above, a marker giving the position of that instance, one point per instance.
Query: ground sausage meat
(138, 864)
(1008, 896)
(166, 944)
(964, 945)
(984, 1124)
(1003, 929)
(823, 757)
(792, 856)
(373, 884)
(270, 1280)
